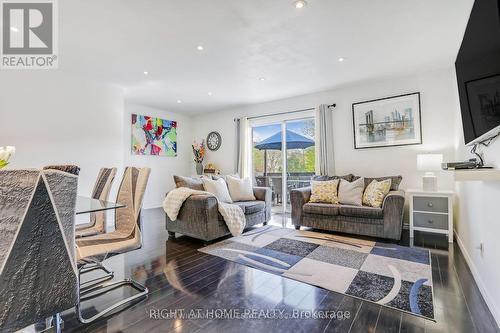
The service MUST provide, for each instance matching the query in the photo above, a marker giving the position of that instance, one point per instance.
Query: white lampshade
(429, 162)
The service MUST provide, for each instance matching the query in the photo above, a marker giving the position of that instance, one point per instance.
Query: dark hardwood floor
(180, 277)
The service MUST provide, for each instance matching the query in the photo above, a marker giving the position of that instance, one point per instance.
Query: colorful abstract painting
(153, 136)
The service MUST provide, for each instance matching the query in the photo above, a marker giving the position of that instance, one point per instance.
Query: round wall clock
(214, 141)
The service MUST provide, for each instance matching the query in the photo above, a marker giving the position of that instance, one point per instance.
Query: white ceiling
(115, 41)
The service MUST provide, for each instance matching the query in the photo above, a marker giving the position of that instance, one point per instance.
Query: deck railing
(275, 181)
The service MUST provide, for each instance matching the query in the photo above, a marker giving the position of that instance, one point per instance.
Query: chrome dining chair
(125, 238)
(101, 191)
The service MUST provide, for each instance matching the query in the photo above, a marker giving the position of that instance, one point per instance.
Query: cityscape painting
(385, 122)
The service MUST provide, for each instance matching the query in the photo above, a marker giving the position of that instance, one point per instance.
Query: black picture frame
(417, 122)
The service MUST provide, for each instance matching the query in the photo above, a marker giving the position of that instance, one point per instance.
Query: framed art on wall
(153, 136)
(387, 122)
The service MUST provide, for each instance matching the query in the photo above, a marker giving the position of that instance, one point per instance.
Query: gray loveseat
(384, 222)
(199, 216)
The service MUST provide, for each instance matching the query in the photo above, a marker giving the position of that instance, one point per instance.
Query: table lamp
(429, 163)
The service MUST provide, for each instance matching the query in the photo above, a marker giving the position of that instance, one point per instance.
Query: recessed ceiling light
(146, 72)
(209, 93)
(340, 59)
(300, 4)
(179, 101)
(200, 48)
(14, 29)
(262, 78)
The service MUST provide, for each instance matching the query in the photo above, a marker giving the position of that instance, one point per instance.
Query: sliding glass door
(300, 154)
(267, 161)
(283, 156)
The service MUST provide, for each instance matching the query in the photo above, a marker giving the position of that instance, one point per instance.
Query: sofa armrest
(198, 217)
(199, 207)
(393, 207)
(264, 194)
(299, 197)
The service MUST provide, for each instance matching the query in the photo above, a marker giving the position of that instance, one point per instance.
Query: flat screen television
(478, 72)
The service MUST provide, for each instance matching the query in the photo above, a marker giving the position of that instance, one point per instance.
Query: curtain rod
(287, 112)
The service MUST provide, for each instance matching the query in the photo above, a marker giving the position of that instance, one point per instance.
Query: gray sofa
(384, 222)
(199, 216)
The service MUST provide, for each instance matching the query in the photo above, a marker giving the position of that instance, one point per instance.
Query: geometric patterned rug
(387, 274)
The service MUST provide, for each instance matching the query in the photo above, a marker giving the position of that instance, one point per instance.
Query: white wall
(438, 108)
(478, 222)
(162, 168)
(54, 119)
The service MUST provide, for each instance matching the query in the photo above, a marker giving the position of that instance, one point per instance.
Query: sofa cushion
(240, 189)
(324, 191)
(395, 181)
(218, 188)
(375, 193)
(361, 211)
(189, 182)
(250, 207)
(321, 209)
(215, 177)
(351, 193)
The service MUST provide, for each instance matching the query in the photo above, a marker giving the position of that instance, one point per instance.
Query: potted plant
(199, 154)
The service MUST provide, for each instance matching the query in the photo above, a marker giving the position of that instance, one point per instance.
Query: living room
(279, 101)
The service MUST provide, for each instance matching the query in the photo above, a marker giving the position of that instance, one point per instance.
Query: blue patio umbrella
(274, 142)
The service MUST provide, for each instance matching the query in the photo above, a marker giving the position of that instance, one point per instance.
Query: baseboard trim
(480, 284)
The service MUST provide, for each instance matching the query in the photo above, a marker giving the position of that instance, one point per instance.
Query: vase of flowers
(5, 154)
(199, 154)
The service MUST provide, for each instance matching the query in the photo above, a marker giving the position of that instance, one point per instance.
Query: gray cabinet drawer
(435, 221)
(430, 204)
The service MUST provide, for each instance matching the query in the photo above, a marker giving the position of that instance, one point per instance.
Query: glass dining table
(86, 205)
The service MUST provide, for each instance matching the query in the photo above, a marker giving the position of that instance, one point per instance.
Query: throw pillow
(215, 177)
(218, 188)
(351, 193)
(324, 191)
(395, 181)
(240, 189)
(375, 193)
(192, 183)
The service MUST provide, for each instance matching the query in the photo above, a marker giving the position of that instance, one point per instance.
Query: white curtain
(244, 156)
(324, 140)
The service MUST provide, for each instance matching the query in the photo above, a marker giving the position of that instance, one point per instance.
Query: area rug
(387, 274)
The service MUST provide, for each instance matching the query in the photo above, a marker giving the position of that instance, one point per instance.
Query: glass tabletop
(85, 205)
